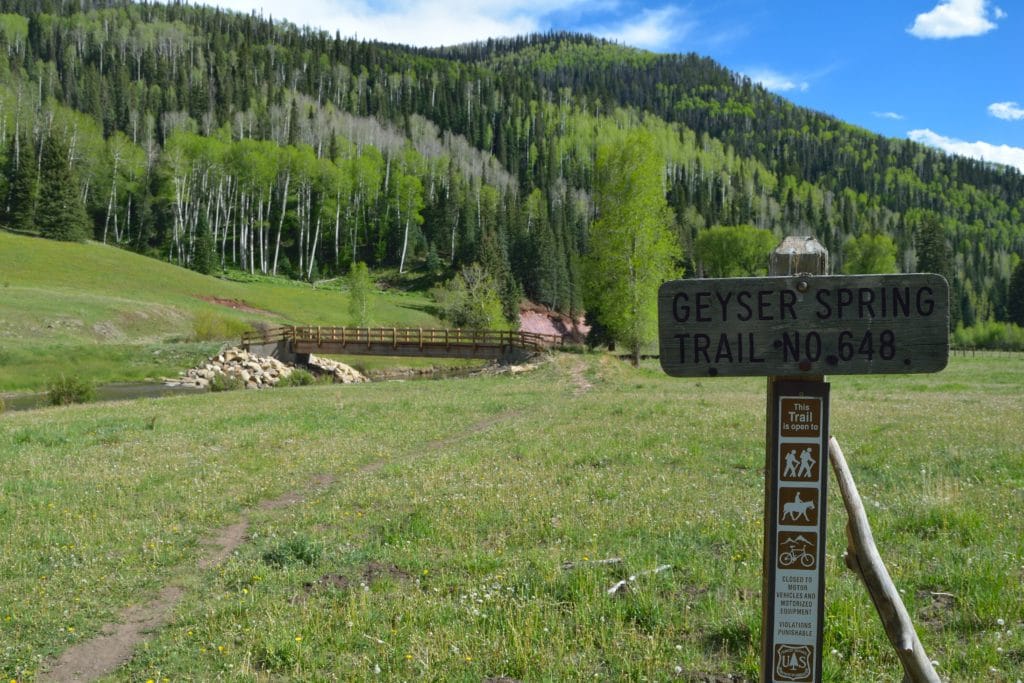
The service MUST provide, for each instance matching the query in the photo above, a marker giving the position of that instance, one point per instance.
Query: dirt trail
(472, 429)
(117, 641)
(103, 654)
(583, 385)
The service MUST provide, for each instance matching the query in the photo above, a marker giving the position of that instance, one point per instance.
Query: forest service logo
(794, 663)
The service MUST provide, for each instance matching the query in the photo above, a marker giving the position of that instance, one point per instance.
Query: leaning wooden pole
(863, 558)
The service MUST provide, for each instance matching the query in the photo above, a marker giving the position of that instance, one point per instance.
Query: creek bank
(188, 382)
(447, 372)
(115, 391)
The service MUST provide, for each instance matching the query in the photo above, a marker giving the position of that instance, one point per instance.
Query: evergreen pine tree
(932, 250)
(433, 262)
(22, 194)
(935, 256)
(1015, 303)
(204, 256)
(62, 215)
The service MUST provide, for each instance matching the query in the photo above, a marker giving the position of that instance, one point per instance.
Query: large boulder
(342, 373)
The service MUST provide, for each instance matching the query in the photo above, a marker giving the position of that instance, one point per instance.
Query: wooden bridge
(293, 342)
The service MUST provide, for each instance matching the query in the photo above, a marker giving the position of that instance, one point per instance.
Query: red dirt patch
(236, 304)
(542, 320)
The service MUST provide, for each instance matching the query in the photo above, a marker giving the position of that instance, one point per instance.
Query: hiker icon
(791, 464)
(806, 463)
(799, 462)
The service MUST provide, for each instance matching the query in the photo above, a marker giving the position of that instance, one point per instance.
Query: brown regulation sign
(804, 325)
(795, 541)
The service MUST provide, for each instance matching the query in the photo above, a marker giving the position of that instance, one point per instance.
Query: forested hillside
(220, 140)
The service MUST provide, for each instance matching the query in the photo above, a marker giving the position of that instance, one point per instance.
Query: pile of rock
(342, 373)
(259, 372)
(256, 372)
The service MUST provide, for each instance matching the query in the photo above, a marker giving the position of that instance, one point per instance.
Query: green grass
(437, 551)
(98, 309)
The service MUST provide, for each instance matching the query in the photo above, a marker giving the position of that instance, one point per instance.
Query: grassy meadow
(453, 530)
(106, 314)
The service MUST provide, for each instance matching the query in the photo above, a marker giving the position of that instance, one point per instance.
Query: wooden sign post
(793, 570)
(794, 327)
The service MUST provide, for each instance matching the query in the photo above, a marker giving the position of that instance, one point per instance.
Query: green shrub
(990, 335)
(208, 326)
(2, 406)
(471, 300)
(297, 549)
(65, 390)
(223, 382)
(298, 378)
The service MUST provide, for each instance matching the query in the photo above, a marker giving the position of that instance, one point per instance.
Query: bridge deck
(398, 341)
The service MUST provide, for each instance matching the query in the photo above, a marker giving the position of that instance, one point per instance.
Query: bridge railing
(405, 336)
(268, 335)
(423, 337)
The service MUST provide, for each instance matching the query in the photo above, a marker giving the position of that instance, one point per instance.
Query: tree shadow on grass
(429, 309)
(731, 638)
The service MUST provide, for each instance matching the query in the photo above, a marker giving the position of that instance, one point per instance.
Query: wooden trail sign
(804, 325)
(794, 327)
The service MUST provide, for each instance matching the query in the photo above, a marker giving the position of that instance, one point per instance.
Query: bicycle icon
(789, 558)
(797, 550)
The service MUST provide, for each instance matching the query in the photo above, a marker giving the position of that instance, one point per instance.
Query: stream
(127, 391)
(117, 391)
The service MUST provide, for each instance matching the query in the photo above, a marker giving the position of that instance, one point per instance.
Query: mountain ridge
(535, 106)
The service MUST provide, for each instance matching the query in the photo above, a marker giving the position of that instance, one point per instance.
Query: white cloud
(1007, 111)
(653, 29)
(776, 82)
(891, 115)
(428, 23)
(411, 22)
(1000, 154)
(955, 19)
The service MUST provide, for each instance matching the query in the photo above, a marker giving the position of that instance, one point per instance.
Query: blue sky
(947, 73)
